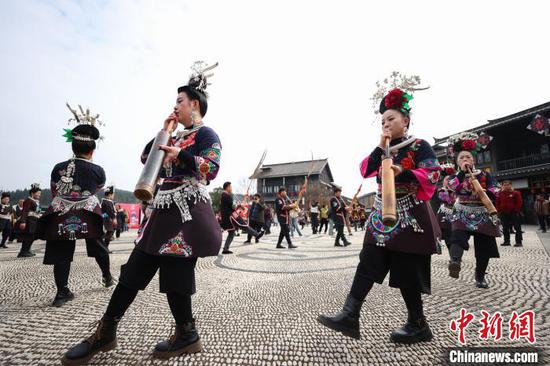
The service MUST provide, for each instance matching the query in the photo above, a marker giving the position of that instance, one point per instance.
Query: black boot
(62, 297)
(25, 254)
(103, 340)
(415, 330)
(454, 268)
(337, 243)
(292, 246)
(347, 320)
(346, 242)
(480, 281)
(259, 236)
(185, 340)
(108, 281)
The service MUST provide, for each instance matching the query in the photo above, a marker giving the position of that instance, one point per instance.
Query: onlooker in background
(268, 219)
(323, 215)
(256, 215)
(541, 209)
(509, 205)
(294, 214)
(121, 220)
(314, 214)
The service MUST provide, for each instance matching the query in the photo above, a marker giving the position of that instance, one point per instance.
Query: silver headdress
(396, 80)
(82, 118)
(199, 77)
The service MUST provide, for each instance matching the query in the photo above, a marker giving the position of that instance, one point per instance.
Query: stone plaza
(259, 306)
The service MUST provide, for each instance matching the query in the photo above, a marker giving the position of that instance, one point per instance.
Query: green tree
(216, 196)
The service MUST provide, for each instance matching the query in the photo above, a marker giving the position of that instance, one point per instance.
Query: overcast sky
(295, 77)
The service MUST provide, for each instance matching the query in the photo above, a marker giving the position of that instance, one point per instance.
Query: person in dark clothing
(282, 208)
(509, 204)
(339, 213)
(404, 249)
(470, 216)
(6, 219)
(75, 211)
(182, 227)
(121, 221)
(17, 212)
(29, 221)
(109, 214)
(256, 214)
(542, 210)
(268, 219)
(314, 215)
(234, 218)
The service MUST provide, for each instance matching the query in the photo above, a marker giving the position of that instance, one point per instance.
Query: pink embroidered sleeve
(370, 165)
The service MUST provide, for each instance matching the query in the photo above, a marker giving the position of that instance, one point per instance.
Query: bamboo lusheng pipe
(389, 205)
(145, 187)
(481, 193)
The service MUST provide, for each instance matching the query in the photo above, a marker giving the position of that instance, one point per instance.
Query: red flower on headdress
(450, 171)
(407, 163)
(394, 99)
(469, 145)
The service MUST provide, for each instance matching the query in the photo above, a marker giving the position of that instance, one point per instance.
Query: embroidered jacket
(199, 157)
(185, 179)
(464, 191)
(419, 163)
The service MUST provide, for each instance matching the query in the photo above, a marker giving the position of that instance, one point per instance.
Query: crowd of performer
(181, 225)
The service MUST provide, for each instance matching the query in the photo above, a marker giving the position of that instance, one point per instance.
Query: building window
(484, 157)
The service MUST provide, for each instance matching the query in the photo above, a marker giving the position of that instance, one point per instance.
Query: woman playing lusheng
(404, 249)
(181, 228)
(470, 217)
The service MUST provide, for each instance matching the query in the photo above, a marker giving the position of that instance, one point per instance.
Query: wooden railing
(523, 162)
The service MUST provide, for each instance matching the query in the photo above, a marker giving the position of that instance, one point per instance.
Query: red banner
(134, 214)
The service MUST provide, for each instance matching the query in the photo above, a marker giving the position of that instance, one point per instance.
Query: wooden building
(292, 176)
(519, 152)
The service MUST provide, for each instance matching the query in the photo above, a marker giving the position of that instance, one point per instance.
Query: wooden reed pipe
(389, 204)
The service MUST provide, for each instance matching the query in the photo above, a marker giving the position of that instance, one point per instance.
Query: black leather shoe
(454, 269)
(108, 282)
(480, 281)
(227, 252)
(184, 340)
(62, 297)
(260, 235)
(337, 244)
(347, 320)
(505, 244)
(292, 246)
(346, 243)
(25, 254)
(103, 340)
(279, 246)
(518, 245)
(415, 330)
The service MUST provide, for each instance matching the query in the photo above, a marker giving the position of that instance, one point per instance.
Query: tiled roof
(291, 169)
(503, 120)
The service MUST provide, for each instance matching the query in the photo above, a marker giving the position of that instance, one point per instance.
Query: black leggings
(362, 285)
(482, 262)
(180, 304)
(324, 222)
(340, 233)
(61, 271)
(284, 234)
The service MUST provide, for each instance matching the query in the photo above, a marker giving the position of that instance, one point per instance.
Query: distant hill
(121, 196)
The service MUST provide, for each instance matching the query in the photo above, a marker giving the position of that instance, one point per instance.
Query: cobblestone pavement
(258, 306)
